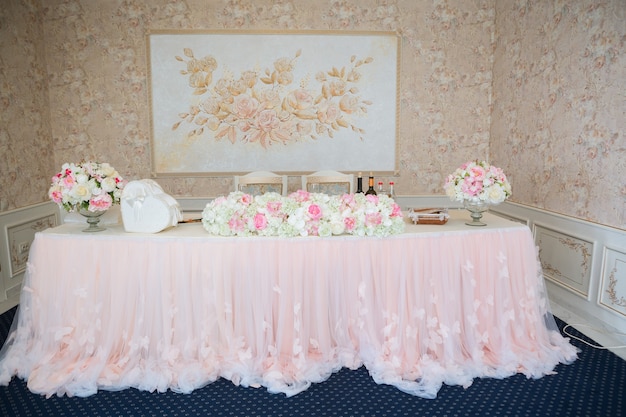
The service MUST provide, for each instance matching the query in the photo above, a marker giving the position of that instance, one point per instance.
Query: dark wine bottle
(359, 183)
(371, 189)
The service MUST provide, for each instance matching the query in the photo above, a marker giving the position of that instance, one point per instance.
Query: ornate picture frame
(230, 102)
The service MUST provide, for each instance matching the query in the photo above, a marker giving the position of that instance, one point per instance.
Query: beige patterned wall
(90, 58)
(559, 118)
(26, 147)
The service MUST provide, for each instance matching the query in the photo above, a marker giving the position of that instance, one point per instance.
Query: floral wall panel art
(232, 102)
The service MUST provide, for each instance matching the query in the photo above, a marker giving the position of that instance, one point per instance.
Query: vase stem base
(94, 229)
(93, 220)
(476, 223)
(93, 225)
(476, 210)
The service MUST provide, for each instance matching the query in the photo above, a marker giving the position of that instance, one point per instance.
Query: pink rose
(372, 198)
(236, 224)
(477, 172)
(260, 221)
(373, 219)
(220, 200)
(396, 211)
(471, 187)
(300, 196)
(69, 181)
(350, 223)
(246, 199)
(315, 212)
(100, 202)
(274, 207)
(347, 201)
(56, 196)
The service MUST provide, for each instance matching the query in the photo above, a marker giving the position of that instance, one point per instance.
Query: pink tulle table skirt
(179, 309)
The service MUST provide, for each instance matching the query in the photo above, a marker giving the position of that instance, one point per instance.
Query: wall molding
(17, 231)
(590, 288)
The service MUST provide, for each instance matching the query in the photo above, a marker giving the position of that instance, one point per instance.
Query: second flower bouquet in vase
(89, 188)
(477, 185)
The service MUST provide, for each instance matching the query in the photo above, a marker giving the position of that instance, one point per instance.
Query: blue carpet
(594, 385)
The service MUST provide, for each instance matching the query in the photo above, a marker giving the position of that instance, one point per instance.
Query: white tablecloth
(180, 309)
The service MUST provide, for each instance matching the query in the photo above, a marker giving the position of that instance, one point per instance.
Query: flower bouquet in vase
(89, 188)
(477, 185)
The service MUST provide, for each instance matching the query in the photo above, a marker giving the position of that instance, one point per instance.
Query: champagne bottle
(370, 189)
(359, 183)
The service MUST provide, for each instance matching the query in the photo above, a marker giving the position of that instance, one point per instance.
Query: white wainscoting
(584, 263)
(17, 231)
(584, 266)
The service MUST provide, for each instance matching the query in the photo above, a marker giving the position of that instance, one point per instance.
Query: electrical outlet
(23, 247)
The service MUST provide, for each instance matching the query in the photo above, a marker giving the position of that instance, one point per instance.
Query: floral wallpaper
(559, 106)
(535, 87)
(26, 148)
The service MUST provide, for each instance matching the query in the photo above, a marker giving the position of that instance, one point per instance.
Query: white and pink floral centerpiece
(477, 185)
(90, 188)
(302, 214)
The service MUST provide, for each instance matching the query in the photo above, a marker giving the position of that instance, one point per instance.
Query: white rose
(81, 177)
(495, 194)
(337, 226)
(324, 230)
(107, 170)
(108, 184)
(80, 192)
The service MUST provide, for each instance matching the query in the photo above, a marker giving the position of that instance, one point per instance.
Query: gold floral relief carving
(573, 245)
(613, 297)
(290, 101)
(580, 248)
(19, 257)
(250, 108)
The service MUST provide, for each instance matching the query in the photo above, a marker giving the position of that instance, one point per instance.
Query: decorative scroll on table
(429, 215)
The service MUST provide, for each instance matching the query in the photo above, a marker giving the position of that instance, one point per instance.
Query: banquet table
(180, 309)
